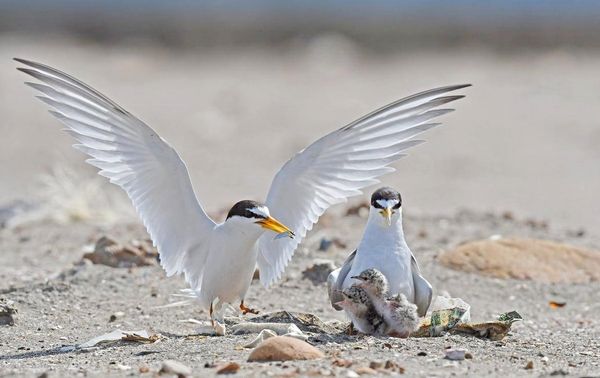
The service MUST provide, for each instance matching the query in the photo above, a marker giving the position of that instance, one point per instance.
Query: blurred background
(238, 87)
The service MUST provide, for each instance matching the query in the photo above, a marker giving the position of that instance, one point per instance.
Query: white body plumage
(233, 248)
(383, 247)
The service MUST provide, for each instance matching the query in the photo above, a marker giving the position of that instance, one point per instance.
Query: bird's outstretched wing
(133, 156)
(341, 163)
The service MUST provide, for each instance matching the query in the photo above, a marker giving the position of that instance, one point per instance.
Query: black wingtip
(459, 86)
(23, 61)
(27, 71)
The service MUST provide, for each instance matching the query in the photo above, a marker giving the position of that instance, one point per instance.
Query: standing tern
(384, 248)
(218, 260)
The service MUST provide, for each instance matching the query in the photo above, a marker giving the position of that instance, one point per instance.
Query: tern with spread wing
(218, 260)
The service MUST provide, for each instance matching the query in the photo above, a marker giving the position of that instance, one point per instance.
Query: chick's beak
(387, 214)
(357, 278)
(273, 224)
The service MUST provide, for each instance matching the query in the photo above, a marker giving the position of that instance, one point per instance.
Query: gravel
(61, 301)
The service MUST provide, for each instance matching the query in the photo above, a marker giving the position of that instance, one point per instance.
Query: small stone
(283, 348)
(545, 359)
(318, 272)
(220, 329)
(144, 369)
(109, 252)
(341, 362)
(175, 367)
(455, 354)
(230, 368)
(115, 316)
(6, 313)
(468, 356)
(324, 244)
(376, 365)
(529, 365)
(422, 354)
(352, 374)
(391, 365)
(365, 371)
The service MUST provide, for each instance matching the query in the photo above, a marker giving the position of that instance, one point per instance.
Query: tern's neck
(244, 234)
(379, 233)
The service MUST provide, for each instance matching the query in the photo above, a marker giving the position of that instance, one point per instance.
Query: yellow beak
(273, 224)
(387, 214)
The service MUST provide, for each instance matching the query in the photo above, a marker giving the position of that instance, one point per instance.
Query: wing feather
(339, 165)
(133, 156)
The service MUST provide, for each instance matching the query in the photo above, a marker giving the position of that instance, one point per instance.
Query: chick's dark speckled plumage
(362, 313)
(399, 316)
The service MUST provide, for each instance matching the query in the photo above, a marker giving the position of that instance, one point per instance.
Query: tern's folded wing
(338, 165)
(335, 281)
(423, 289)
(133, 156)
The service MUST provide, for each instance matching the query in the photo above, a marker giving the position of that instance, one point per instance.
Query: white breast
(229, 266)
(383, 247)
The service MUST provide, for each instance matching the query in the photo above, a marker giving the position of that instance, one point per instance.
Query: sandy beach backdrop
(525, 139)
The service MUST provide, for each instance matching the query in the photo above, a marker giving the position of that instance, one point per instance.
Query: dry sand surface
(60, 304)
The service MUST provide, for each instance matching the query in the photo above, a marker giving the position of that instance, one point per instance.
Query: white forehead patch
(387, 203)
(261, 211)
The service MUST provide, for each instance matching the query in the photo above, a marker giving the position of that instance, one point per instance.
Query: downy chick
(361, 311)
(398, 313)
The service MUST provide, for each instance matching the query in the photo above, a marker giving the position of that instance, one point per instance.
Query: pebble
(230, 368)
(455, 354)
(342, 362)
(175, 367)
(317, 273)
(115, 316)
(529, 365)
(365, 371)
(283, 348)
(7, 310)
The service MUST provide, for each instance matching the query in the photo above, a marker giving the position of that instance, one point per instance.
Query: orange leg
(210, 311)
(246, 310)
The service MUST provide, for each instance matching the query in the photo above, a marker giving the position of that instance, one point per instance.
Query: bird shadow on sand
(67, 350)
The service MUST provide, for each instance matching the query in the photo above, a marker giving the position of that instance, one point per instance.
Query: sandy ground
(60, 304)
(525, 139)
